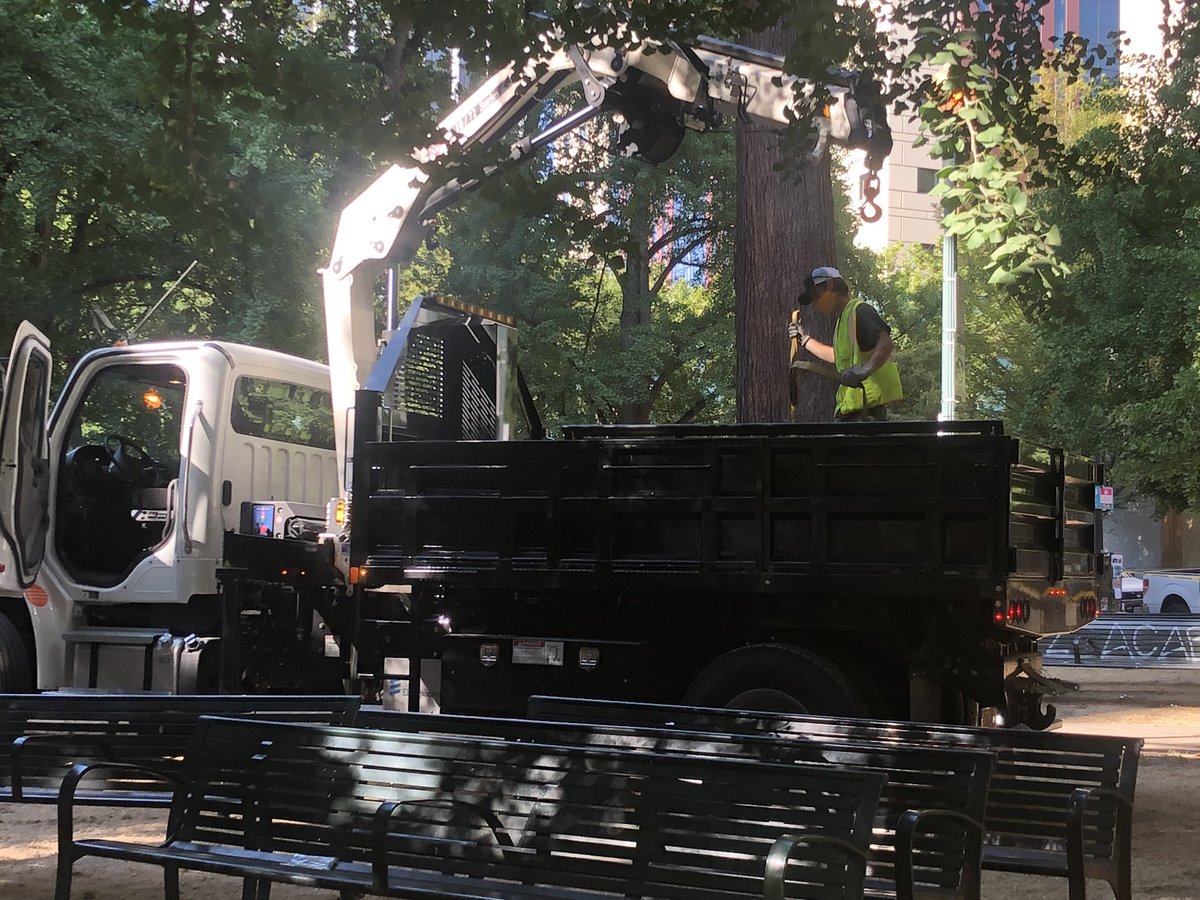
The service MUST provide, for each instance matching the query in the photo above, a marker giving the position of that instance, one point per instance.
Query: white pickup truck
(1129, 591)
(1172, 592)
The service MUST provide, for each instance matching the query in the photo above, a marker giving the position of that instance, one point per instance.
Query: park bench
(394, 814)
(43, 735)
(928, 825)
(1059, 804)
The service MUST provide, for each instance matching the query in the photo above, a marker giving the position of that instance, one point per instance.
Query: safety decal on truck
(537, 653)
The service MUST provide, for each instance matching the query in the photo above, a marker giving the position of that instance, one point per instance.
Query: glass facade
(1094, 20)
(1097, 20)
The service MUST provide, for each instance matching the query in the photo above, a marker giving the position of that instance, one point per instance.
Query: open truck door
(24, 459)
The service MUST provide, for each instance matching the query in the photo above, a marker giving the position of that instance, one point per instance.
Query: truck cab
(115, 504)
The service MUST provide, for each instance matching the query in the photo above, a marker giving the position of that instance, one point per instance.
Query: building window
(926, 180)
(1097, 20)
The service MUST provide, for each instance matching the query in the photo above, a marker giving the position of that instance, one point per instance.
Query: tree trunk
(636, 300)
(636, 303)
(785, 228)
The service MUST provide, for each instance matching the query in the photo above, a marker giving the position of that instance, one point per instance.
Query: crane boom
(659, 87)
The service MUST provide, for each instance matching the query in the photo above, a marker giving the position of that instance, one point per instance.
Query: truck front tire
(778, 678)
(16, 669)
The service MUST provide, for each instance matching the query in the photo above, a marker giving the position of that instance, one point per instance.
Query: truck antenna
(166, 294)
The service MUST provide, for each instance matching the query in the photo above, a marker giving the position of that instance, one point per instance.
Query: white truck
(116, 508)
(1172, 592)
(121, 509)
(1129, 589)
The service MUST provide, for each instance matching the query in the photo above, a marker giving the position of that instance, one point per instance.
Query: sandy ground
(1162, 706)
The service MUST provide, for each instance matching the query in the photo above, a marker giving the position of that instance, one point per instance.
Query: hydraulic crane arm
(659, 88)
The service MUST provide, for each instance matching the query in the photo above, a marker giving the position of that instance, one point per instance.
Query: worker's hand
(796, 330)
(854, 376)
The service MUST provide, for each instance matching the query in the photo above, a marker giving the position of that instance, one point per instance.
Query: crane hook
(870, 211)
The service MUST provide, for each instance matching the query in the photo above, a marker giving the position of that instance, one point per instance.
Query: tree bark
(635, 317)
(785, 228)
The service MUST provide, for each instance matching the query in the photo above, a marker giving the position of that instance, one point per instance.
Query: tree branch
(101, 283)
(679, 232)
(689, 414)
(79, 233)
(189, 100)
(587, 341)
(660, 380)
(406, 42)
(676, 260)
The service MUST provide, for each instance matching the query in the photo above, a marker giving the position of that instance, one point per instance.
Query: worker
(861, 351)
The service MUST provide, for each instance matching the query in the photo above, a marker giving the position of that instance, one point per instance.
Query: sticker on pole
(537, 653)
(1104, 497)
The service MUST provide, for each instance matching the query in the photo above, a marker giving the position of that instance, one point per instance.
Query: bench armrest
(1078, 801)
(775, 877)
(79, 771)
(16, 766)
(906, 833)
(381, 825)
(1076, 806)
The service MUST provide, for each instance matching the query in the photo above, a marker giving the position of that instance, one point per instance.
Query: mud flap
(1024, 689)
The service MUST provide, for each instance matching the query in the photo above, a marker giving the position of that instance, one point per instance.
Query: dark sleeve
(870, 326)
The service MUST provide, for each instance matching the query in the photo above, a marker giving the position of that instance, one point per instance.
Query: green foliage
(103, 204)
(63, 130)
(136, 137)
(623, 291)
(1119, 354)
(972, 73)
(994, 342)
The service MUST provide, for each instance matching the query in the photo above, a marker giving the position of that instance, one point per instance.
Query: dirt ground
(1162, 706)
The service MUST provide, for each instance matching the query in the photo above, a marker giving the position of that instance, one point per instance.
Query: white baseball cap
(821, 274)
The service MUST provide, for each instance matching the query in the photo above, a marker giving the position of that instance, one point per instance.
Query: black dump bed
(823, 511)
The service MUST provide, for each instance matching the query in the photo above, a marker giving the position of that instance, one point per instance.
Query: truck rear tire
(1175, 606)
(778, 678)
(16, 669)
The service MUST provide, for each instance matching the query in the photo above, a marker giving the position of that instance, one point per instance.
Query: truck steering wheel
(131, 462)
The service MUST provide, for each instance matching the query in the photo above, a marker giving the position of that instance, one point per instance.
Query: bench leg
(1122, 880)
(256, 889)
(62, 882)
(1122, 885)
(170, 883)
(1076, 885)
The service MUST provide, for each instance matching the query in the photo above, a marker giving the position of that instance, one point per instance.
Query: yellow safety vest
(883, 386)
